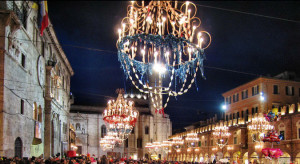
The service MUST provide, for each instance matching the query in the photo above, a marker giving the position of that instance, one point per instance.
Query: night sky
(254, 45)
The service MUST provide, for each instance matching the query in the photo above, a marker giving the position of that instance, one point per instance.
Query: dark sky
(241, 42)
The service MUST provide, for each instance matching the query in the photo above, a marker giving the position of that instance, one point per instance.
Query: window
(126, 143)
(244, 94)
(228, 100)
(64, 128)
(243, 114)
(24, 17)
(289, 90)
(226, 118)
(103, 131)
(139, 143)
(255, 90)
(205, 143)
(132, 131)
(199, 143)
(282, 133)
(275, 89)
(235, 97)
(233, 115)
(235, 140)
(23, 60)
(211, 142)
(22, 107)
(146, 130)
(238, 115)
(298, 133)
(246, 115)
(40, 114)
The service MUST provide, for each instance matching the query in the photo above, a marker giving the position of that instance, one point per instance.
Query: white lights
(224, 107)
(159, 68)
(262, 97)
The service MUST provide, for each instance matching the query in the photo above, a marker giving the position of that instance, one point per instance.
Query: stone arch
(188, 158)
(219, 155)
(78, 126)
(212, 157)
(205, 157)
(19, 147)
(298, 129)
(285, 158)
(236, 156)
(201, 159)
(254, 157)
(297, 160)
(282, 128)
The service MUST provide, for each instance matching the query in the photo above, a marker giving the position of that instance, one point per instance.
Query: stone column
(48, 111)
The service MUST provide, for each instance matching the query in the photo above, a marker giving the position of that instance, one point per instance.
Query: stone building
(244, 103)
(90, 128)
(35, 85)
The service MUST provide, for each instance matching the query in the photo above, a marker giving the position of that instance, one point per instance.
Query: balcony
(19, 9)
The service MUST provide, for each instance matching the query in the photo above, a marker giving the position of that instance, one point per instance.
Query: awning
(36, 141)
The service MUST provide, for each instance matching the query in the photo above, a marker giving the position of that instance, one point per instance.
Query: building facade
(90, 128)
(244, 103)
(35, 85)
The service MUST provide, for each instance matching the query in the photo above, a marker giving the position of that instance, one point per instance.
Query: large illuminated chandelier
(221, 134)
(165, 145)
(177, 143)
(109, 141)
(120, 116)
(162, 38)
(258, 126)
(191, 139)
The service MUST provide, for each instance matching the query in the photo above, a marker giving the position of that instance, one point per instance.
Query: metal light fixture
(162, 37)
(120, 116)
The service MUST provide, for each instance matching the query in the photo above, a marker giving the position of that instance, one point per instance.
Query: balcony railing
(21, 13)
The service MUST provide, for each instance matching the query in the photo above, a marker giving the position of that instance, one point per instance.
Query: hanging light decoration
(191, 139)
(109, 141)
(221, 134)
(177, 143)
(162, 38)
(120, 116)
(166, 146)
(258, 126)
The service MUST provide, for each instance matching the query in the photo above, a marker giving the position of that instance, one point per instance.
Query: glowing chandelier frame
(120, 116)
(110, 140)
(258, 126)
(159, 37)
(192, 139)
(221, 134)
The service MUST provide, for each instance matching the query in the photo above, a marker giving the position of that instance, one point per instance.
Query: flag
(43, 15)
(35, 6)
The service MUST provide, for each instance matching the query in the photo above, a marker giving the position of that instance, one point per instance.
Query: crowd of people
(84, 160)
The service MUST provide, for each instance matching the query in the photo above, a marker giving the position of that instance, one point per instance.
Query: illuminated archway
(205, 157)
(201, 159)
(285, 158)
(297, 160)
(245, 158)
(254, 157)
(236, 156)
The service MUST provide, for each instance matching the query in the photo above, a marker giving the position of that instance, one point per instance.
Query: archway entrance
(254, 157)
(18, 147)
(285, 158)
(245, 158)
